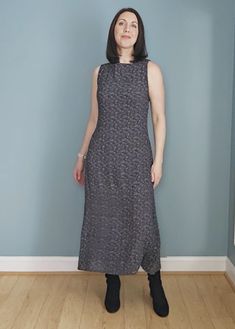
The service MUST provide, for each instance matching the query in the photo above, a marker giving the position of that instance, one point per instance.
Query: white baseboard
(65, 264)
(194, 264)
(230, 270)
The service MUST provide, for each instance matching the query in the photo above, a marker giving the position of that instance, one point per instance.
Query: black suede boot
(112, 298)
(160, 304)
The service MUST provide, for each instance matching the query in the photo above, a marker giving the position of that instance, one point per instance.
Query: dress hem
(100, 270)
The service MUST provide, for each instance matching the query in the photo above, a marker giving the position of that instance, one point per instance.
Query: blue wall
(231, 246)
(48, 51)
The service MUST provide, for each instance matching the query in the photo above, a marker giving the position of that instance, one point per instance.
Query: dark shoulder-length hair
(140, 51)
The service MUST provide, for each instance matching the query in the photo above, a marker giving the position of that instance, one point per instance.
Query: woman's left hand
(156, 173)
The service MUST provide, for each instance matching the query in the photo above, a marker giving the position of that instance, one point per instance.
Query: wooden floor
(75, 300)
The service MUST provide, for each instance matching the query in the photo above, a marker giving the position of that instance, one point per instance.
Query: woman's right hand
(78, 172)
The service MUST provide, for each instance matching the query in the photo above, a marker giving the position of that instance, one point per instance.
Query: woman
(120, 230)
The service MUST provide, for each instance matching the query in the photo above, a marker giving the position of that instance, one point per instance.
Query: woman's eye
(134, 25)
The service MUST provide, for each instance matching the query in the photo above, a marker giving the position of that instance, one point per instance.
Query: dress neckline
(124, 63)
(128, 64)
(131, 63)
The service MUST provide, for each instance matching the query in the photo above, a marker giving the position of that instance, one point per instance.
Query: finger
(77, 177)
(152, 177)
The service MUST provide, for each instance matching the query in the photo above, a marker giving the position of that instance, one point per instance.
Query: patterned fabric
(120, 230)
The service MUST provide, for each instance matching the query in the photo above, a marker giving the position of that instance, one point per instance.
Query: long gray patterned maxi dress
(120, 230)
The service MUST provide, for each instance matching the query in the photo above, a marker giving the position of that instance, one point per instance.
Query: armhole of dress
(99, 73)
(147, 82)
(98, 78)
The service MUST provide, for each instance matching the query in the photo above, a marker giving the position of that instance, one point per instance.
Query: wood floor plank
(194, 303)
(221, 284)
(6, 284)
(134, 302)
(68, 301)
(50, 312)
(228, 300)
(72, 310)
(223, 323)
(207, 289)
(32, 304)
(13, 302)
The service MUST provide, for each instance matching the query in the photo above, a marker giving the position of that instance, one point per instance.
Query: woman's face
(126, 30)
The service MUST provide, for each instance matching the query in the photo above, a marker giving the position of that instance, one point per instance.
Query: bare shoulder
(155, 81)
(95, 73)
(96, 69)
(154, 70)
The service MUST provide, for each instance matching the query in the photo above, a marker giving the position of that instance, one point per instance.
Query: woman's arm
(157, 101)
(78, 172)
(92, 121)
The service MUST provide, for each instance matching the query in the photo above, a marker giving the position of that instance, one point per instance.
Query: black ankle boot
(112, 298)
(160, 304)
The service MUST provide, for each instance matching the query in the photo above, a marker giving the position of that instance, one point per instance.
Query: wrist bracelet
(80, 155)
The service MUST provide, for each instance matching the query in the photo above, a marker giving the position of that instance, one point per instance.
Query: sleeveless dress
(120, 231)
